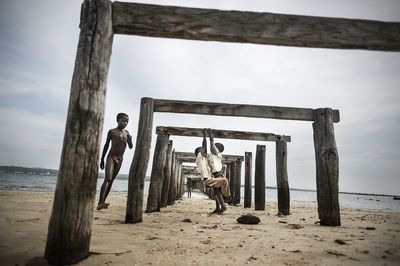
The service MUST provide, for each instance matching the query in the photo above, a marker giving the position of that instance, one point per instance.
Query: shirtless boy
(118, 137)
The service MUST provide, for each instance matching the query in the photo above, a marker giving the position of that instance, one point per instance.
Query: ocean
(47, 183)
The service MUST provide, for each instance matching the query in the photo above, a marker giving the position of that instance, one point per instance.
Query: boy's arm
(213, 149)
(129, 140)
(106, 145)
(204, 144)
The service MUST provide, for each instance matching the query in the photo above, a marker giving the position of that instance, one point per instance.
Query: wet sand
(163, 238)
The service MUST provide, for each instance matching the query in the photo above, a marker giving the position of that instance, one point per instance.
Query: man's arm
(213, 149)
(105, 149)
(204, 143)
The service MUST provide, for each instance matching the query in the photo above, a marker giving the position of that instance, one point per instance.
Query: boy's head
(197, 150)
(122, 120)
(220, 147)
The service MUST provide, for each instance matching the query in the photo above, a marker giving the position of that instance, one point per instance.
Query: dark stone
(248, 219)
(340, 242)
(187, 220)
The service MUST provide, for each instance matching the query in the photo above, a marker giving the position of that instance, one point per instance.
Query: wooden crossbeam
(242, 110)
(190, 157)
(254, 27)
(222, 134)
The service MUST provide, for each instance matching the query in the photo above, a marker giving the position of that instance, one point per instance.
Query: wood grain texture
(259, 178)
(282, 182)
(70, 224)
(241, 110)
(327, 164)
(248, 174)
(167, 176)
(254, 27)
(222, 134)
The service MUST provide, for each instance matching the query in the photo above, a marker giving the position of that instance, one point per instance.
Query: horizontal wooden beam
(222, 134)
(242, 110)
(254, 27)
(190, 157)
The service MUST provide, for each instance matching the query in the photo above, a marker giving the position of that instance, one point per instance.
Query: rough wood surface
(156, 177)
(70, 223)
(137, 171)
(282, 182)
(327, 164)
(254, 27)
(222, 134)
(242, 110)
(172, 184)
(167, 176)
(259, 179)
(232, 180)
(190, 157)
(238, 182)
(248, 173)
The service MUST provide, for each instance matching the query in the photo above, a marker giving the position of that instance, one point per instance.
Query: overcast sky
(37, 53)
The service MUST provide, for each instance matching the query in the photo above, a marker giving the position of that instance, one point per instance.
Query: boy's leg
(217, 202)
(106, 183)
(221, 201)
(116, 167)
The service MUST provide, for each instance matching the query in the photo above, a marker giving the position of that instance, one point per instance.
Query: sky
(37, 53)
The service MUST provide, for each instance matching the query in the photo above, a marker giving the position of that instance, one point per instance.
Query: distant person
(189, 185)
(210, 167)
(118, 137)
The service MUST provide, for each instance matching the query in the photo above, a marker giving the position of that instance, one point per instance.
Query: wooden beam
(242, 110)
(190, 157)
(222, 134)
(254, 27)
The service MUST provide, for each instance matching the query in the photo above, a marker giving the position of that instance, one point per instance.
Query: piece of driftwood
(70, 223)
(327, 164)
(259, 179)
(241, 110)
(254, 27)
(137, 171)
(282, 182)
(248, 172)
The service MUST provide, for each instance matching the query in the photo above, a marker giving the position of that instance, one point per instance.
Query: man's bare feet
(217, 210)
(223, 209)
(105, 206)
(102, 206)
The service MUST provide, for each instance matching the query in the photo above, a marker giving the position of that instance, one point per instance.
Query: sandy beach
(163, 238)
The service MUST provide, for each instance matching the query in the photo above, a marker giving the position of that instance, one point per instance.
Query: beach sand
(365, 237)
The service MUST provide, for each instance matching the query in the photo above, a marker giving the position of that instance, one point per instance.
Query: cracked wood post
(248, 164)
(259, 184)
(156, 177)
(171, 191)
(167, 176)
(232, 181)
(327, 163)
(70, 224)
(238, 181)
(179, 181)
(137, 171)
(282, 178)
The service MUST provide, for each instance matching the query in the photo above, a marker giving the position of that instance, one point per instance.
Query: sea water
(47, 183)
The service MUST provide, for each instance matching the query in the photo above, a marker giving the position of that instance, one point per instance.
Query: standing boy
(118, 137)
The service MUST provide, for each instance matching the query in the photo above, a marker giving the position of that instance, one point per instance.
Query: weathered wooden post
(247, 178)
(167, 176)
(172, 184)
(156, 178)
(180, 181)
(70, 223)
(232, 181)
(137, 171)
(327, 163)
(259, 190)
(282, 178)
(238, 181)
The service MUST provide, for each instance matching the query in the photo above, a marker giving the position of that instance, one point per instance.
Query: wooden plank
(282, 182)
(222, 134)
(254, 27)
(70, 223)
(327, 164)
(248, 172)
(241, 110)
(259, 184)
(140, 161)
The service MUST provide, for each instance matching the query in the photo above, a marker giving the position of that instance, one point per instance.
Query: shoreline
(369, 237)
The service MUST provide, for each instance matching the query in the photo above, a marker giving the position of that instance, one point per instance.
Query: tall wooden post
(238, 181)
(156, 178)
(137, 172)
(327, 163)
(70, 223)
(232, 181)
(282, 178)
(167, 176)
(179, 180)
(259, 190)
(247, 178)
(172, 184)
